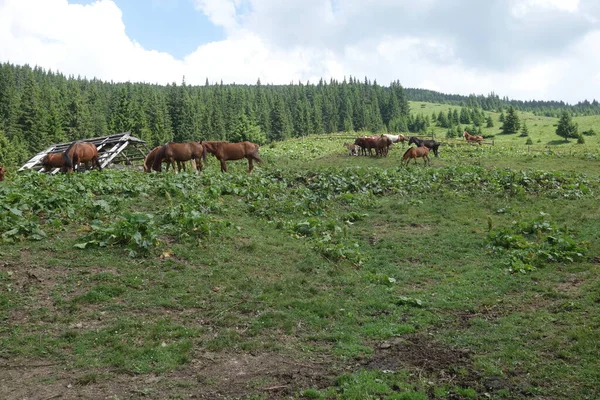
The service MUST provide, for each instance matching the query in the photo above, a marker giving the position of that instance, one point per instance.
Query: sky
(523, 49)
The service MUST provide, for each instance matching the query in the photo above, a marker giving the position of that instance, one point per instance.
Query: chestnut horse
(2, 172)
(429, 143)
(149, 161)
(172, 152)
(225, 151)
(472, 138)
(52, 160)
(80, 152)
(415, 152)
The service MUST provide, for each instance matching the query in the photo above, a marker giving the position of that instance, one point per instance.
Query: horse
(2, 172)
(415, 152)
(172, 152)
(397, 138)
(431, 144)
(382, 145)
(80, 152)
(366, 143)
(149, 160)
(225, 151)
(352, 149)
(472, 138)
(52, 160)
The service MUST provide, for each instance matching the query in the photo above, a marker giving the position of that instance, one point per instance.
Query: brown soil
(208, 376)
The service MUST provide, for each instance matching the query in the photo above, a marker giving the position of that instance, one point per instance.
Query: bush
(589, 132)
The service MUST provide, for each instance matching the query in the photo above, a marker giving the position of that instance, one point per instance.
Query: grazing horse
(52, 160)
(225, 151)
(472, 138)
(149, 160)
(366, 143)
(2, 172)
(172, 152)
(430, 144)
(80, 152)
(397, 138)
(352, 149)
(382, 145)
(415, 152)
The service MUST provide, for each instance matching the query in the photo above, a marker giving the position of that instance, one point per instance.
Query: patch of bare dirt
(208, 376)
(420, 352)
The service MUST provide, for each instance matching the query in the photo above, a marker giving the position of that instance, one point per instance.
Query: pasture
(318, 276)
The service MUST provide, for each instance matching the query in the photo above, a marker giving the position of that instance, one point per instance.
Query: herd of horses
(381, 143)
(82, 152)
(86, 153)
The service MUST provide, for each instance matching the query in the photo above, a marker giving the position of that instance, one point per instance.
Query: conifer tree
(511, 121)
(566, 128)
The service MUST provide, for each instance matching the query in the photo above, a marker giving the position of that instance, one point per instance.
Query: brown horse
(2, 172)
(149, 161)
(225, 151)
(415, 152)
(80, 152)
(472, 138)
(172, 152)
(52, 160)
(382, 145)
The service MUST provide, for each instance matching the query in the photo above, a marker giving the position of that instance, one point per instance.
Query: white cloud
(526, 49)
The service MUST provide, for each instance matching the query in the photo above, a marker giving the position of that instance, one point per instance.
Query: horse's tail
(160, 154)
(67, 161)
(203, 151)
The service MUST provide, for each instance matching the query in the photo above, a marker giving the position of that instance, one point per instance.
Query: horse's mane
(68, 163)
(160, 154)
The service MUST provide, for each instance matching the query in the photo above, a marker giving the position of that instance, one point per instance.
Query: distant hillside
(493, 102)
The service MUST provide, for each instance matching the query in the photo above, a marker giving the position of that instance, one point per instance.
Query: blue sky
(173, 26)
(523, 49)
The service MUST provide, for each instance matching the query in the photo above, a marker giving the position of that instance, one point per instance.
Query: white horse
(397, 138)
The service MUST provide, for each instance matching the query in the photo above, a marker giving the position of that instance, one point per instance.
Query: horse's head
(412, 140)
(2, 172)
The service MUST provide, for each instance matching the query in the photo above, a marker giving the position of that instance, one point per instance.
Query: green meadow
(319, 276)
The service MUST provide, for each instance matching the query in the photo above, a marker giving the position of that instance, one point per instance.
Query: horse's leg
(199, 165)
(194, 166)
(172, 162)
(223, 166)
(250, 165)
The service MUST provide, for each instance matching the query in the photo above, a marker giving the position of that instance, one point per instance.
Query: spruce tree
(489, 122)
(511, 121)
(566, 127)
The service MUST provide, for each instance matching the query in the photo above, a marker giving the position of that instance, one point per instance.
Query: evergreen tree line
(492, 102)
(39, 108)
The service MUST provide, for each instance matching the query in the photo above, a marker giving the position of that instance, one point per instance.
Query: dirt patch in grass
(434, 362)
(207, 376)
(420, 352)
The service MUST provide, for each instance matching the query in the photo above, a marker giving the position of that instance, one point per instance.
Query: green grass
(542, 130)
(357, 262)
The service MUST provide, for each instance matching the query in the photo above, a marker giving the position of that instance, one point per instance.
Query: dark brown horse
(149, 161)
(80, 152)
(472, 138)
(52, 160)
(172, 152)
(2, 172)
(225, 151)
(415, 152)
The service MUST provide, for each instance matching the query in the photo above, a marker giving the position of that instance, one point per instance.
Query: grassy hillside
(319, 276)
(542, 130)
